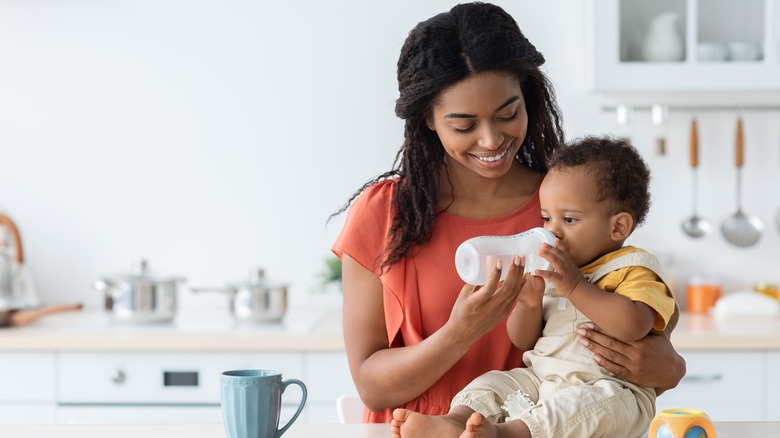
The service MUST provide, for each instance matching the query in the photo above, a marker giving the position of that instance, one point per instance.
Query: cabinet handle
(118, 377)
(703, 378)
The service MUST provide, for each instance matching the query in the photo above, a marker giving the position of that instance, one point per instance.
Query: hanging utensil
(740, 229)
(695, 226)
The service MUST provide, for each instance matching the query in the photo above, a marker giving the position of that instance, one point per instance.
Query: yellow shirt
(637, 283)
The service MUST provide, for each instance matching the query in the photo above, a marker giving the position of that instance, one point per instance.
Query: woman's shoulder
(376, 195)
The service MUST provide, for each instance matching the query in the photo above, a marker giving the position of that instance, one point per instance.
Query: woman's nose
(490, 137)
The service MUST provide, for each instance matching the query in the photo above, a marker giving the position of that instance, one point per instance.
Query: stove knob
(118, 376)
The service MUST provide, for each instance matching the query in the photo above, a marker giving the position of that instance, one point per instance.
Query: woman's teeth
(494, 157)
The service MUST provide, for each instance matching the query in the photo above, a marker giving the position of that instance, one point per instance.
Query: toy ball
(681, 423)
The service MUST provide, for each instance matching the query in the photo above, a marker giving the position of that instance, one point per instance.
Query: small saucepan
(10, 316)
(255, 300)
(140, 296)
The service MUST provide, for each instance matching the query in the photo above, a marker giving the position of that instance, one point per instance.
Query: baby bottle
(477, 256)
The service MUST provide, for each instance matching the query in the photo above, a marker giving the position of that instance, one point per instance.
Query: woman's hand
(651, 361)
(479, 309)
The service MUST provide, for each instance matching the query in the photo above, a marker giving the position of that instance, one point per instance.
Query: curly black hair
(622, 176)
(438, 53)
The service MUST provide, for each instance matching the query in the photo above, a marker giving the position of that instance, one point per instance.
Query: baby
(594, 195)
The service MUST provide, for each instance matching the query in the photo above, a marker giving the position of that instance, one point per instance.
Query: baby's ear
(622, 225)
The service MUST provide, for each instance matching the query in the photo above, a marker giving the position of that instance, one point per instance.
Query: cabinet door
(327, 377)
(728, 386)
(27, 377)
(686, 45)
(773, 386)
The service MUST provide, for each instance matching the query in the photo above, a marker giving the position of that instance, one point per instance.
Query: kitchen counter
(306, 330)
(703, 332)
(724, 430)
(192, 331)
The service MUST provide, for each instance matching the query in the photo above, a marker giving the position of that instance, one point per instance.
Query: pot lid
(256, 279)
(141, 272)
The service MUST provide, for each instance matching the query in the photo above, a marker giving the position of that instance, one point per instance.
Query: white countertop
(306, 330)
(703, 332)
(300, 330)
(724, 430)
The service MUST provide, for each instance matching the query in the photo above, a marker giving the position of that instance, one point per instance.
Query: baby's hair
(622, 176)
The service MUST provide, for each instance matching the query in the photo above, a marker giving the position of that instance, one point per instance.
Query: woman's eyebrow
(471, 116)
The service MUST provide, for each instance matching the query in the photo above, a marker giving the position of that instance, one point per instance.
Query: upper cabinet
(686, 45)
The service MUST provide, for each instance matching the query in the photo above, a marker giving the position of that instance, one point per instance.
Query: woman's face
(481, 122)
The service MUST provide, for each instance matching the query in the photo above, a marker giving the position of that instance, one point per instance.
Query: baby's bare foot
(410, 424)
(478, 427)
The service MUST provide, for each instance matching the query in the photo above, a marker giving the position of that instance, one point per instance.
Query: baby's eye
(546, 219)
(569, 220)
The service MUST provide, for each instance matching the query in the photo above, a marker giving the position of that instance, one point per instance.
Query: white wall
(212, 136)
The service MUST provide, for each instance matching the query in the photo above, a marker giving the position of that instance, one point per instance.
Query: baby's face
(571, 211)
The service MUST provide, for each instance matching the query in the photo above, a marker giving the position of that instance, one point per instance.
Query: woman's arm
(651, 361)
(389, 377)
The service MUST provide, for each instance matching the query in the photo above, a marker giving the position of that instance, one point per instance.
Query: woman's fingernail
(499, 265)
(584, 342)
(590, 325)
(581, 332)
(518, 261)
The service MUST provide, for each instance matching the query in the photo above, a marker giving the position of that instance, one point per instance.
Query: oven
(156, 387)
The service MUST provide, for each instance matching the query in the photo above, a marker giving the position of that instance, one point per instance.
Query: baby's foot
(478, 427)
(410, 424)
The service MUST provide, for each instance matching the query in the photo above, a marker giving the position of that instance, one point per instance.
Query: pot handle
(212, 289)
(6, 222)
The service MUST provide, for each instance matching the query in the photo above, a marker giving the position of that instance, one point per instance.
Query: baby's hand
(532, 293)
(566, 275)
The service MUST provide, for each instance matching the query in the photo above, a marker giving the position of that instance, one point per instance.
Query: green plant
(332, 271)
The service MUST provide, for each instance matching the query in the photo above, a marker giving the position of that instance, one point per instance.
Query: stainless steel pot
(140, 296)
(255, 300)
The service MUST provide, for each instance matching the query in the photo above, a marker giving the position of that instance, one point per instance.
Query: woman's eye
(510, 118)
(461, 130)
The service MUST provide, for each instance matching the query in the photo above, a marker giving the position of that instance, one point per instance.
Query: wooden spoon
(20, 317)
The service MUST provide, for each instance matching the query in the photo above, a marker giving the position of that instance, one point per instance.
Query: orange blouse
(420, 291)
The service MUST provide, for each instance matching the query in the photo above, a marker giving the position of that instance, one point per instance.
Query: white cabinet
(328, 378)
(27, 390)
(686, 45)
(773, 386)
(728, 386)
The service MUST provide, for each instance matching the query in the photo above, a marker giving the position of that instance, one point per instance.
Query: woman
(480, 122)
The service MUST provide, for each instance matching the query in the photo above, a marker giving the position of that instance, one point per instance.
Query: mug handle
(285, 384)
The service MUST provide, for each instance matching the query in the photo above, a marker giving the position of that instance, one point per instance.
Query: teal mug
(252, 400)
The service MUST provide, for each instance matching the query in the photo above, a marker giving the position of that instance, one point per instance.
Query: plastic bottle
(477, 257)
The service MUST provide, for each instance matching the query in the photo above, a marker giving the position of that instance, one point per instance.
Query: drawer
(27, 376)
(728, 386)
(39, 413)
(160, 378)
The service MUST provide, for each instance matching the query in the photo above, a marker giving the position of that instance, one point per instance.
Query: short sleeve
(364, 238)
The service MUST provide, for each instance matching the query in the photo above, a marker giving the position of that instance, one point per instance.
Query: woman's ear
(622, 226)
(429, 123)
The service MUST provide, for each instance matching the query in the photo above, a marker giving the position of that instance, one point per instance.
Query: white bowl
(741, 51)
(712, 52)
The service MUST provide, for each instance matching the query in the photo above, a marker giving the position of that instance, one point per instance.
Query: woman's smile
(496, 158)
